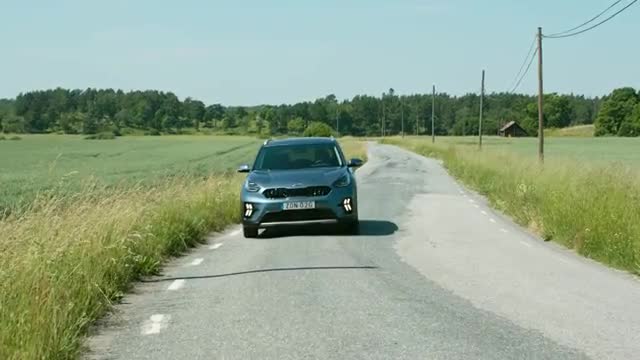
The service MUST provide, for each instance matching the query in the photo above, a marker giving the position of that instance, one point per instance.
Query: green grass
(587, 203)
(607, 150)
(63, 162)
(573, 131)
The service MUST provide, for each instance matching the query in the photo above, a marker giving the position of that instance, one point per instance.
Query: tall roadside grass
(353, 148)
(590, 207)
(67, 258)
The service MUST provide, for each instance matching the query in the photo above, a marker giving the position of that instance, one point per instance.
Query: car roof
(300, 141)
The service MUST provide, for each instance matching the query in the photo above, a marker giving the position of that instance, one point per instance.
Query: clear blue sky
(248, 52)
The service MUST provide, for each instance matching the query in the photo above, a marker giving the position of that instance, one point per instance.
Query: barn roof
(508, 125)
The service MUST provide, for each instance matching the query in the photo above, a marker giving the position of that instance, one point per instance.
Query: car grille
(311, 191)
(299, 215)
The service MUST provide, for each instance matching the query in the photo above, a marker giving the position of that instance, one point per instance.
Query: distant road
(436, 274)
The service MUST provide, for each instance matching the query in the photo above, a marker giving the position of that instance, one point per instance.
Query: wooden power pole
(540, 100)
(433, 115)
(402, 117)
(481, 111)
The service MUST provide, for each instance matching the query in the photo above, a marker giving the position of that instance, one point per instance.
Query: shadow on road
(264, 271)
(367, 228)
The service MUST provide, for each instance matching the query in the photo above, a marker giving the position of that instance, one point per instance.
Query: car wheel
(250, 231)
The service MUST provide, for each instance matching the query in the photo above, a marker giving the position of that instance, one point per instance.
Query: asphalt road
(436, 274)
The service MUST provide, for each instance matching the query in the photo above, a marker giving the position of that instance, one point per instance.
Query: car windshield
(290, 157)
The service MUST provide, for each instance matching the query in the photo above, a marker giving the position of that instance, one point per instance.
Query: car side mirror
(244, 168)
(354, 163)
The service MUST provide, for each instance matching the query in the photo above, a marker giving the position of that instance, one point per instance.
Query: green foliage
(2, 137)
(618, 115)
(318, 129)
(92, 111)
(15, 137)
(152, 132)
(296, 126)
(101, 136)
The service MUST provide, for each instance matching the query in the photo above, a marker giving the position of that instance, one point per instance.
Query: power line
(533, 56)
(588, 21)
(591, 27)
(524, 62)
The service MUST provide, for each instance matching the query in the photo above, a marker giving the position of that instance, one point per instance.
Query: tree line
(93, 111)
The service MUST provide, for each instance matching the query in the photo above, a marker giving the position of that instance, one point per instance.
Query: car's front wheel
(250, 231)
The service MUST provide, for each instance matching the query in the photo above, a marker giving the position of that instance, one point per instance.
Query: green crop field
(40, 162)
(596, 150)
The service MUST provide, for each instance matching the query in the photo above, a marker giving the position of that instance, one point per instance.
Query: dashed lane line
(176, 284)
(155, 324)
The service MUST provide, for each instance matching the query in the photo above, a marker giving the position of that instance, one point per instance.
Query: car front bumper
(266, 212)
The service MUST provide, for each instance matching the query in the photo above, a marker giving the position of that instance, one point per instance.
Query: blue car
(299, 180)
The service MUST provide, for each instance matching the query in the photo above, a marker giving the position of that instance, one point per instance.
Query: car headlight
(344, 180)
(250, 186)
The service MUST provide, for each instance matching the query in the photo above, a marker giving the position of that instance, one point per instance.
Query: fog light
(248, 210)
(346, 204)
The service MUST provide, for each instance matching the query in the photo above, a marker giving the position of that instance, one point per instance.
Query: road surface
(435, 274)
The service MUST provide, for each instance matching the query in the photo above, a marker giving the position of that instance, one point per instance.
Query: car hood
(297, 178)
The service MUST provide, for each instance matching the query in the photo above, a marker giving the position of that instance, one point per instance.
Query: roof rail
(266, 142)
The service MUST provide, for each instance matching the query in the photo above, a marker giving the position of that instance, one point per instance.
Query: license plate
(299, 205)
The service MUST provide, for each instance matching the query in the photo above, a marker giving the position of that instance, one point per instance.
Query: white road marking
(484, 212)
(196, 262)
(215, 246)
(492, 220)
(461, 192)
(155, 324)
(471, 201)
(504, 230)
(525, 243)
(476, 206)
(176, 284)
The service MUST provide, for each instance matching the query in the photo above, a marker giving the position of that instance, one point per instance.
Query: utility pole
(540, 100)
(337, 120)
(481, 111)
(433, 115)
(382, 117)
(402, 117)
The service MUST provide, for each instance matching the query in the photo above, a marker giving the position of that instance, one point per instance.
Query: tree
(616, 109)
(319, 129)
(557, 111)
(296, 126)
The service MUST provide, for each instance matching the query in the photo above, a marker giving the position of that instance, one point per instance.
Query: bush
(15, 137)
(2, 137)
(101, 136)
(128, 131)
(318, 129)
(152, 132)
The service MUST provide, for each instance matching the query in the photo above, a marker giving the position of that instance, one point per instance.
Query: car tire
(250, 232)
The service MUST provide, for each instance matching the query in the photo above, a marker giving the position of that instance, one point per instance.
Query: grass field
(40, 162)
(572, 131)
(113, 212)
(586, 196)
(601, 150)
